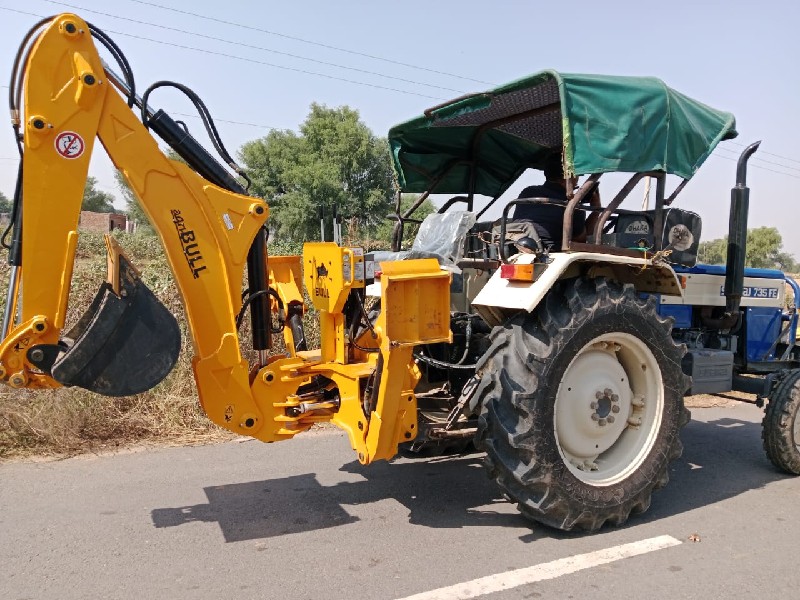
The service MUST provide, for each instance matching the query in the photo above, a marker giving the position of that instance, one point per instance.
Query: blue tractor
(570, 362)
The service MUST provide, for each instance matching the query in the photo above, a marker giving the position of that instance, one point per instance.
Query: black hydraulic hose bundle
(14, 105)
(14, 102)
(248, 299)
(363, 318)
(448, 365)
(205, 116)
(122, 61)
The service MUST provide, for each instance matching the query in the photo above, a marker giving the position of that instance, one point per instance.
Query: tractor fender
(501, 298)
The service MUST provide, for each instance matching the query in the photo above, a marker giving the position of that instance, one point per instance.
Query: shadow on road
(721, 459)
(443, 492)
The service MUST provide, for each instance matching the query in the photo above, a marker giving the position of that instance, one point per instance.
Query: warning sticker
(346, 267)
(69, 144)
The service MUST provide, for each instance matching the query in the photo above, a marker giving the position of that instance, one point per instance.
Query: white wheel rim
(608, 409)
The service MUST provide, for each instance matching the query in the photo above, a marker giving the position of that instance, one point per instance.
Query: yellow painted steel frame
(206, 232)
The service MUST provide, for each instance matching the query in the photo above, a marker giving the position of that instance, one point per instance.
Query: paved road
(301, 520)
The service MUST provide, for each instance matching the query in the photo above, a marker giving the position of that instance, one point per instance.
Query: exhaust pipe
(737, 234)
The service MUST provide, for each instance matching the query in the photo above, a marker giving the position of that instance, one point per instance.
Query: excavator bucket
(125, 343)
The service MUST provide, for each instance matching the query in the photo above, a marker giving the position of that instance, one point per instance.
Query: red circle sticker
(69, 144)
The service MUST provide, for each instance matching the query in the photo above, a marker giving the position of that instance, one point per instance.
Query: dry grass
(69, 421)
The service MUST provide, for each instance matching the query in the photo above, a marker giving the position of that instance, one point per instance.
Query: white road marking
(544, 571)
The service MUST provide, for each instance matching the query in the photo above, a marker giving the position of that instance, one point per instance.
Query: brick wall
(103, 222)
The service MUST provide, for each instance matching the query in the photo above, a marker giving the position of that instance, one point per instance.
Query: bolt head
(602, 422)
(36, 354)
(615, 409)
(595, 417)
(593, 405)
(610, 418)
(607, 392)
(614, 397)
(598, 395)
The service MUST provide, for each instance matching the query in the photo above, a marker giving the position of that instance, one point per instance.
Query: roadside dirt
(718, 400)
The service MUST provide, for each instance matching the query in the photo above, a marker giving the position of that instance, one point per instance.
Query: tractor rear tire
(581, 405)
(781, 424)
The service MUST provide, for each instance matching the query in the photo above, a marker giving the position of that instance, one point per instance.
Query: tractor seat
(440, 236)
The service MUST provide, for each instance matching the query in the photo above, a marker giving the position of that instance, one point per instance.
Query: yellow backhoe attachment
(361, 379)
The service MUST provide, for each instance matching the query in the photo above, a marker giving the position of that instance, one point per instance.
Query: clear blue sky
(737, 55)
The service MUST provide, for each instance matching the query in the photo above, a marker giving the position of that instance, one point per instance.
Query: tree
(383, 232)
(764, 247)
(133, 209)
(713, 252)
(96, 200)
(764, 250)
(5, 204)
(334, 161)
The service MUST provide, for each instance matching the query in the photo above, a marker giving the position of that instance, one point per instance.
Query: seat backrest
(444, 234)
(682, 230)
(632, 231)
(681, 237)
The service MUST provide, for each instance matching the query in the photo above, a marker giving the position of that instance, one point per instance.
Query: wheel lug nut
(598, 394)
(615, 409)
(595, 417)
(607, 392)
(614, 398)
(602, 422)
(593, 405)
(610, 418)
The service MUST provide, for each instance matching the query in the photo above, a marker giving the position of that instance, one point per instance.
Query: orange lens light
(517, 272)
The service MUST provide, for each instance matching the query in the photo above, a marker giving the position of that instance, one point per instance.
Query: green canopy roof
(599, 123)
